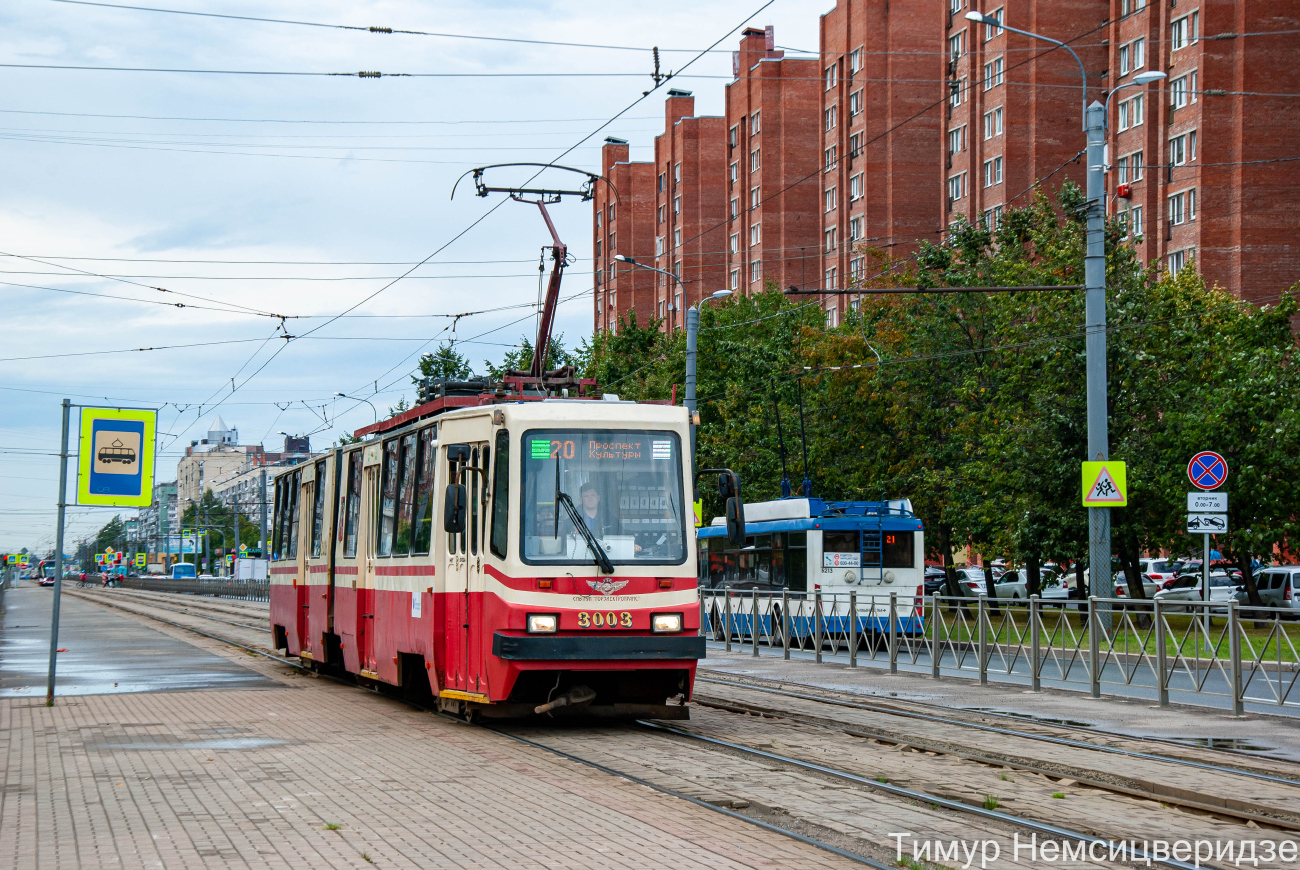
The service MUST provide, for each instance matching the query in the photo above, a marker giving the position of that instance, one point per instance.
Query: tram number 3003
(599, 619)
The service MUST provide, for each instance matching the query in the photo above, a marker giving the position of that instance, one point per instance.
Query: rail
(216, 587)
(1196, 651)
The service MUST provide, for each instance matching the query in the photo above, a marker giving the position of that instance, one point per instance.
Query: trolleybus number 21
(599, 619)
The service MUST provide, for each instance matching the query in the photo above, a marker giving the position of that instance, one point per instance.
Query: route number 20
(599, 619)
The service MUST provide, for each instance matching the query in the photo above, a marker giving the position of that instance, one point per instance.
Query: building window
(858, 268)
(830, 77)
(955, 89)
(755, 272)
(1182, 90)
(992, 218)
(855, 104)
(1128, 7)
(735, 172)
(755, 235)
(957, 140)
(855, 229)
(855, 187)
(663, 212)
(661, 181)
(659, 246)
(956, 186)
(1183, 32)
(754, 197)
(956, 45)
(613, 244)
(1182, 148)
(662, 305)
(677, 173)
(1182, 207)
(735, 206)
(733, 136)
(954, 6)
(1177, 260)
(599, 212)
(611, 212)
(1133, 217)
(754, 123)
(598, 249)
(993, 123)
(1130, 113)
(735, 243)
(677, 205)
(993, 73)
(832, 238)
(855, 60)
(992, 30)
(993, 172)
(831, 158)
(1130, 168)
(855, 145)
(677, 238)
(832, 199)
(832, 114)
(735, 279)
(832, 315)
(754, 161)
(831, 274)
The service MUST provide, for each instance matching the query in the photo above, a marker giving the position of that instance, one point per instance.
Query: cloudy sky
(248, 196)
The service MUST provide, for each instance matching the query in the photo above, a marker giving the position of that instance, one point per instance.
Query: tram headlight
(543, 623)
(665, 623)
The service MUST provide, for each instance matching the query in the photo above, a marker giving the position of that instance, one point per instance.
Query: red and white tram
(560, 570)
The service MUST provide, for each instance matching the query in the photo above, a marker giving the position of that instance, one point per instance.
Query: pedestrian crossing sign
(1104, 484)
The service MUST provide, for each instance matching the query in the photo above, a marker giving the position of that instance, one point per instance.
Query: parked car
(1151, 587)
(1188, 588)
(1279, 586)
(1014, 584)
(934, 579)
(1161, 571)
(971, 581)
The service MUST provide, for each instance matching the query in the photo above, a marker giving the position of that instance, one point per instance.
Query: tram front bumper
(596, 647)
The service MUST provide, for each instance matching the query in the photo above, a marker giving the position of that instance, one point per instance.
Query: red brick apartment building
(773, 167)
(623, 223)
(1203, 162)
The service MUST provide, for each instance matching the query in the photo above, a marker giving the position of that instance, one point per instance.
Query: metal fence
(1145, 649)
(217, 587)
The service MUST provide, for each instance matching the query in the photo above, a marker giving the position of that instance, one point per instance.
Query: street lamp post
(1094, 273)
(357, 399)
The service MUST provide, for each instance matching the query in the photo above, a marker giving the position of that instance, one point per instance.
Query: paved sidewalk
(256, 778)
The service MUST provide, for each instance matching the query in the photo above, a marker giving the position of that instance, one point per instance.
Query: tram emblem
(606, 585)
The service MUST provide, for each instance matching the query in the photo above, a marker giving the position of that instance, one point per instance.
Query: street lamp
(692, 332)
(1094, 283)
(631, 262)
(356, 399)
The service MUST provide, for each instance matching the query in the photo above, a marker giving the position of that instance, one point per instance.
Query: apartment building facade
(773, 167)
(623, 224)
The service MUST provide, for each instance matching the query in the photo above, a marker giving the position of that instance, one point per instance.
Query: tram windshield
(624, 486)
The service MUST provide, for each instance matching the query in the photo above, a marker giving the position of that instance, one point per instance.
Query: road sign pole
(1205, 589)
(58, 554)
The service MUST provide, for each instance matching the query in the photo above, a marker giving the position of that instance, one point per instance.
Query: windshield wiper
(602, 561)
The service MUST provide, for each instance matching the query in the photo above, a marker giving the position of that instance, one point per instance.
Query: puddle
(1076, 723)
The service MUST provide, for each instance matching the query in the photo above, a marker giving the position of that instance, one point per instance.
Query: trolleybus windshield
(626, 487)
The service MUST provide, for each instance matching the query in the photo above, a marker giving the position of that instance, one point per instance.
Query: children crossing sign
(1104, 484)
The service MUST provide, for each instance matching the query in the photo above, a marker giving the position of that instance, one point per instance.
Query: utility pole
(1094, 287)
(261, 544)
(58, 554)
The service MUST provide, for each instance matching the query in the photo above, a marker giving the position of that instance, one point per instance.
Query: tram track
(856, 780)
(1254, 773)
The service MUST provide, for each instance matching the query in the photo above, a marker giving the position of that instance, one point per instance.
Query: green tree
(445, 362)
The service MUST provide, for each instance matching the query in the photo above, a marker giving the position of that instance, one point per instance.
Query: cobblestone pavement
(238, 778)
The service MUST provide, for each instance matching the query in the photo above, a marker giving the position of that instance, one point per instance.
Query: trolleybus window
(501, 495)
(423, 533)
(352, 509)
(774, 560)
(388, 499)
(897, 550)
(624, 486)
(318, 510)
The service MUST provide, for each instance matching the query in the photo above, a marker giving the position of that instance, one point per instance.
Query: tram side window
(293, 509)
(455, 542)
(472, 483)
(501, 496)
(405, 497)
(318, 511)
(422, 534)
(277, 513)
(388, 499)
(352, 510)
(483, 490)
(897, 549)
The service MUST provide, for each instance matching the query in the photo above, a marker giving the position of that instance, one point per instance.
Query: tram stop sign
(115, 457)
(1105, 484)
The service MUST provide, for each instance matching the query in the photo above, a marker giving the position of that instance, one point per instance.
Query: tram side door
(466, 463)
(306, 499)
(366, 588)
